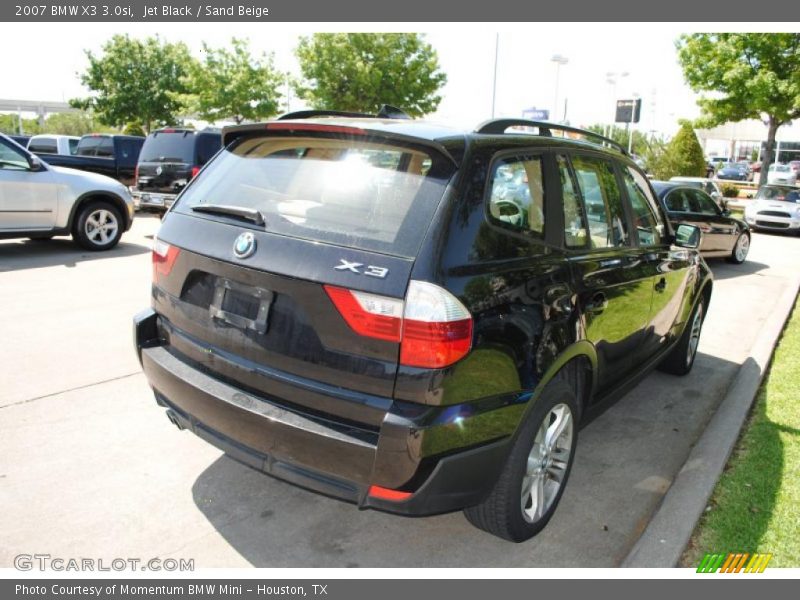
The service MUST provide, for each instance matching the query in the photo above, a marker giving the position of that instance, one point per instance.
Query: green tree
(79, 123)
(689, 159)
(137, 80)
(683, 155)
(231, 84)
(361, 71)
(749, 76)
(9, 124)
(620, 135)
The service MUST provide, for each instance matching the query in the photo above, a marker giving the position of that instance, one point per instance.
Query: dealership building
(740, 140)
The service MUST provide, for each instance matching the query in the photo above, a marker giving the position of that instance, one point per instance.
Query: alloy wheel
(548, 462)
(101, 226)
(694, 334)
(742, 247)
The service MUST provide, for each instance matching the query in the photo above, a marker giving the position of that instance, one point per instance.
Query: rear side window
(87, 146)
(172, 146)
(73, 146)
(105, 148)
(701, 204)
(649, 228)
(44, 145)
(677, 201)
(353, 192)
(602, 202)
(516, 200)
(575, 227)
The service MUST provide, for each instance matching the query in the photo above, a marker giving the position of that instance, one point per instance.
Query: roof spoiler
(234, 132)
(386, 111)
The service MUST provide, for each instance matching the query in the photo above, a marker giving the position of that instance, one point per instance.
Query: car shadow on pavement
(625, 462)
(36, 254)
(725, 270)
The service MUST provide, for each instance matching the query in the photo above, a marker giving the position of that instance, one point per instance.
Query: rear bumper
(151, 199)
(320, 454)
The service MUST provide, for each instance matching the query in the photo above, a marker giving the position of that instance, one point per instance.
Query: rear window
(43, 145)
(356, 193)
(175, 146)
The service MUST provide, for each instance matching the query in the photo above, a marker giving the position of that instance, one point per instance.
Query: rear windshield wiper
(249, 214)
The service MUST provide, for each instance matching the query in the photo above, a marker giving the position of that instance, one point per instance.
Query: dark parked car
(734, 171)
(722, 234)
(170, 158)
(111, 155)
(370, 308)
(22, 140)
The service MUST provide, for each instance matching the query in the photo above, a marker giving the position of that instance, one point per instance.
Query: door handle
(661, 285)
(598, 303)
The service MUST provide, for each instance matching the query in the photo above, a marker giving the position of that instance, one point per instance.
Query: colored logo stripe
(734, 562)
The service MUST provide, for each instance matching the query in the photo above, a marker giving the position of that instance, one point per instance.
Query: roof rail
(498, 126)
(385, 112)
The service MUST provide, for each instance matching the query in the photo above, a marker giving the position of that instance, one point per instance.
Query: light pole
(635, 96)
(612, 79)
(559, 59)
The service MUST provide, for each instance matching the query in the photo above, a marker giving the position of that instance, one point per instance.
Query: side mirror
(35, 163)
(687, 236)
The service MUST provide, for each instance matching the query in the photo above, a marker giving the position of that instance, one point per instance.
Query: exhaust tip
(173, 418)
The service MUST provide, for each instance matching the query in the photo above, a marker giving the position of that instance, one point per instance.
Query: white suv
(39, 201)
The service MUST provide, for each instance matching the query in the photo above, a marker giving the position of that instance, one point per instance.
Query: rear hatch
(283, 267)
(166, 161)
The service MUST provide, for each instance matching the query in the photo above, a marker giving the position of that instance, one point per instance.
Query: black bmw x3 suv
(413, 318)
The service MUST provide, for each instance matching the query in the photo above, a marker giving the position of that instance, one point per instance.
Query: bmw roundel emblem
(244, 245)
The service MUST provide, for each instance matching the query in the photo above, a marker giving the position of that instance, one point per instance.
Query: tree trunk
(766, 158)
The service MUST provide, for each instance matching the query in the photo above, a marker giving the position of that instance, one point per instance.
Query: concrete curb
(666, 535)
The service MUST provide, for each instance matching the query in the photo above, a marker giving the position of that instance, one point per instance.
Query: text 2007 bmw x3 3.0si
(412, 318)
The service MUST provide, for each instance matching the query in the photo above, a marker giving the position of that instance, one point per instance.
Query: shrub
(134, 128)
(683, 155)
(729, 190)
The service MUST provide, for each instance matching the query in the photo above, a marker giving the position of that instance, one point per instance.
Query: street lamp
(635, 96)
(559, 59)
(612, 79)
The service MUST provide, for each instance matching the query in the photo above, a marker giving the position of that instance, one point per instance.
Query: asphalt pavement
(90, 467)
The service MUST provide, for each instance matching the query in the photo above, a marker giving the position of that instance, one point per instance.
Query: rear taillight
(136, 176)
(195, 171)
(434, 329)
(437, 328)
(367, 314)
(164, 256)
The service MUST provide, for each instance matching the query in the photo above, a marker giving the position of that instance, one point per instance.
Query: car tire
(536, 471)
(98, 226)
(740, 249)
(680, 359)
